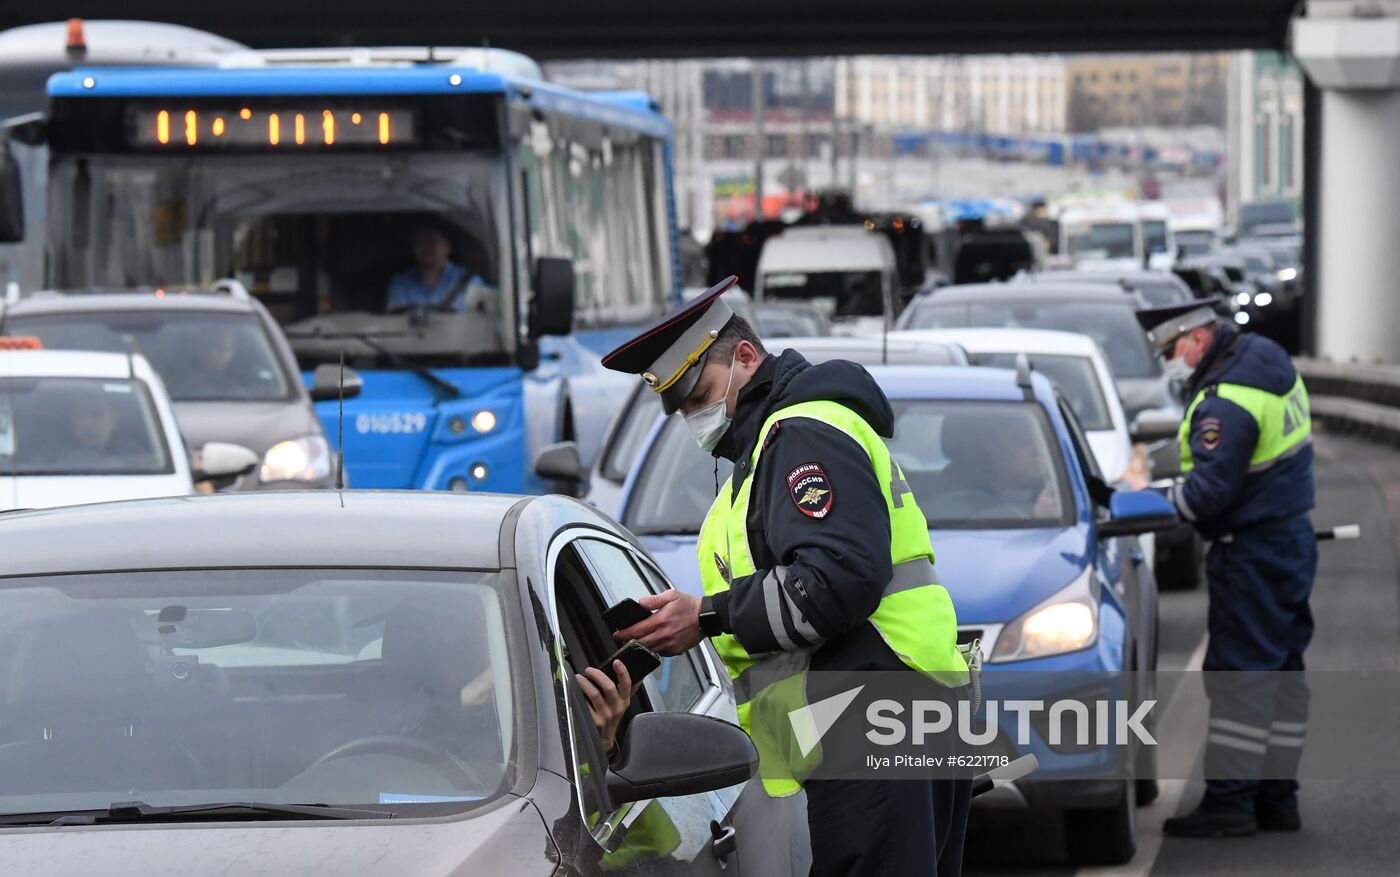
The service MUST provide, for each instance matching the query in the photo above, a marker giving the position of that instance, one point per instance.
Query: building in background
(1171, 90)
(1265, 130)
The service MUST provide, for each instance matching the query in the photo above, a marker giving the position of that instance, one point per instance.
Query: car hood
(43, 492)
(508, 839)
(995, 575)
(992, 575)
(254, 425)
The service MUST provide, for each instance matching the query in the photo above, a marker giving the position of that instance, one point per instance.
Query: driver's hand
(607, 701)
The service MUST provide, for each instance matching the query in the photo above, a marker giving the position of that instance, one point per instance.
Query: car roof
(1031, 292)
(1084, 276)
(322, 528)
(825, 248)
(981, 340)
(50, 302)
(950, 382)
(73, 364)
(871, 349)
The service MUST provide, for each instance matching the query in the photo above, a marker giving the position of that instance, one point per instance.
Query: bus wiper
(368, 339)
(140, 811)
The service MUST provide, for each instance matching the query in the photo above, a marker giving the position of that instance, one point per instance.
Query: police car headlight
(1067, 622)
(300, 459)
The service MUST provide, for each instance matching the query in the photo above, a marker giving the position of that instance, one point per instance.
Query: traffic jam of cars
(286, 550)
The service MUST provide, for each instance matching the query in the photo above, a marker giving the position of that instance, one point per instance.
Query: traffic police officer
(814, 556)
(1247, 459)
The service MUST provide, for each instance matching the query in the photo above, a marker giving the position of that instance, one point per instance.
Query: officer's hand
(674, 625)
(1139, 471)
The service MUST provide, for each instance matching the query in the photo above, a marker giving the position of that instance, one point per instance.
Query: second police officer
(1247, 459)
(815, 556)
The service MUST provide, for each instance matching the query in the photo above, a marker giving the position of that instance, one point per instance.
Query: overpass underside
(657, 28)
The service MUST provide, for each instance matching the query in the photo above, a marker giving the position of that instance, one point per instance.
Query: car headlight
(300, 459)
(1263, 299)
(1287, 274)
(1067, 622)
(1242, 299)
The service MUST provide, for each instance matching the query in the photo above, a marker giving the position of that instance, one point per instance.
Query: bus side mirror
(11, 197)
(552, 310)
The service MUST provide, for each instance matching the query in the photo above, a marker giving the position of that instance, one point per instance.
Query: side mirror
(1154, 424)
(668, 754)
(223, 461)
(552, 309)
(325, 382)
(1134, 512)
(560, 462)
(11, 197)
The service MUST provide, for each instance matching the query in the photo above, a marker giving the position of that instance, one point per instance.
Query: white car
(80, 427)
(1074, 362)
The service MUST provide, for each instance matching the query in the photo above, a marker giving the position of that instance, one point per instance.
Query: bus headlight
(300, 459)
(1067, 622)
(484, 421)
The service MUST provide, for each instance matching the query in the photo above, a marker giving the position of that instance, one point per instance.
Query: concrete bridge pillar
(1351, 52)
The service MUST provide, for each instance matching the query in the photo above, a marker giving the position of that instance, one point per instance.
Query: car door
(662, 836)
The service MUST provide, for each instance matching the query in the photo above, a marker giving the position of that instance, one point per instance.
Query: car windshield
(338, 248)
(1002, 468)
(1154, 235)
(1112, 326)
(1161, 293)
(382, 689)
(642, 410)
(1195, 243)
(843, 293)
(1075, 376)
(1103, 240)
(80, 426)
(201, 357)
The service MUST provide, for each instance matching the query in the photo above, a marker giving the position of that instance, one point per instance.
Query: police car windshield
(1111, 325)
(978, 465)
(79, 426)
(381, 689)
(1075, 376)
(200, 356)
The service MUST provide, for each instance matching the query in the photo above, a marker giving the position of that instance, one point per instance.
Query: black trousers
(887, 827)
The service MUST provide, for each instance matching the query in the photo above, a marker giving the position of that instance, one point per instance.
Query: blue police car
(1041, 559)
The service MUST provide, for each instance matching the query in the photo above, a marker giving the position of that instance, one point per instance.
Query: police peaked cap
(670, 354)
(1166, 324)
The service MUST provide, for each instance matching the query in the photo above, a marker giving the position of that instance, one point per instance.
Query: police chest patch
(1209, 433)
(810, 490)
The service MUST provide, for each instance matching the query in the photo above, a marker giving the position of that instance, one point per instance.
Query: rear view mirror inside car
(178, 627)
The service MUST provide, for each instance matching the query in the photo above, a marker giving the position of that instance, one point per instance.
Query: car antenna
(340, 431)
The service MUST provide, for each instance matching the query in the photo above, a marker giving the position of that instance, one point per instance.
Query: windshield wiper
(368, 339)
(140, 811)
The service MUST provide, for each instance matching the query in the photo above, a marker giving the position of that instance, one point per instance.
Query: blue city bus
(312, 183)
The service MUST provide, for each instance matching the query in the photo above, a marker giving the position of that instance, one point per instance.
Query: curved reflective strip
(1290, 727)
(1237, 743)
(773, 605)
(899, 487)
(1239, 728)
(1294, 742)
(800, 625)
(783, 663)
(911, 574)
(1178, 498)
(1260, 467)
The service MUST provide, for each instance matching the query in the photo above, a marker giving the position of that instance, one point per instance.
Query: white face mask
(1178, 370)
(709, 424)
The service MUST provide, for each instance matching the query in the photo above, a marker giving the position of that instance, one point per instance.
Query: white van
(79, 427)
(846, 270)
(1104, 237)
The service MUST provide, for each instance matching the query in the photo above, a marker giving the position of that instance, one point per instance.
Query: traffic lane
(1348, 827)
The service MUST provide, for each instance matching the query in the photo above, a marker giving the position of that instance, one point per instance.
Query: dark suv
(229, 370)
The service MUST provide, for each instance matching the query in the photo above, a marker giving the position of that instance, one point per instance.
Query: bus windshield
(381, 256)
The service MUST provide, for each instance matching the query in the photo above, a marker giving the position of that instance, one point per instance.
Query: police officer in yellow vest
(1246, 455)
(814, 556)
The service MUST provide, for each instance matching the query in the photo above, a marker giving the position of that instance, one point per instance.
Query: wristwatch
(709, 618)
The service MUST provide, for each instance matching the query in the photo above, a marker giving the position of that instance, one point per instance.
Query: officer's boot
(1211, 823)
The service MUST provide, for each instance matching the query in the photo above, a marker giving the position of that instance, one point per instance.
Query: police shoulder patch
(811, 490)
(1209, 432)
